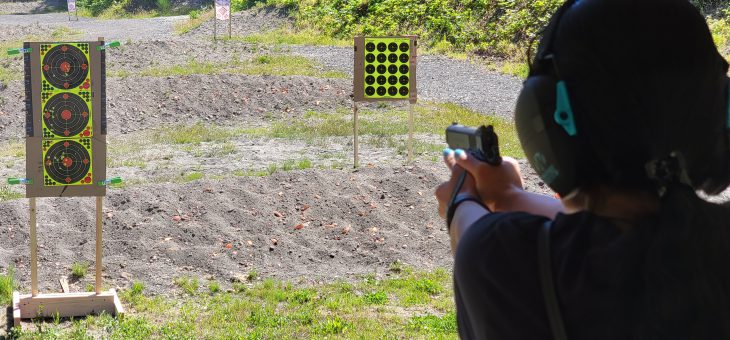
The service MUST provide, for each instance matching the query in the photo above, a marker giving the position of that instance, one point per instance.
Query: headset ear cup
(718, 182)
(548, 148)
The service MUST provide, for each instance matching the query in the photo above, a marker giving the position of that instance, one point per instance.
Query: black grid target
(387, 68)
(65, 66)
(66, 115)
(66, 162)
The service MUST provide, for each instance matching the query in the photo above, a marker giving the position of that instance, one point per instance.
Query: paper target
(66, 115)
(387, 68)
(67, 162)
(65, 66)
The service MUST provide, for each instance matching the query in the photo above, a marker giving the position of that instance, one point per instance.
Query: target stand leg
(410, 132)
(355, 137)
(64, 305)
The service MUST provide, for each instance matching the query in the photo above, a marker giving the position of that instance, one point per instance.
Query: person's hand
(495, 185)
(444, 191)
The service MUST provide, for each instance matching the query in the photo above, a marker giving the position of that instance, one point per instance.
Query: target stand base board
(65, 305)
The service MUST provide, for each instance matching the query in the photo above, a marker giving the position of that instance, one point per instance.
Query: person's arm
(464, 217)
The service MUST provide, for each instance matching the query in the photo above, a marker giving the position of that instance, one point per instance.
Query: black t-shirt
(497, 283)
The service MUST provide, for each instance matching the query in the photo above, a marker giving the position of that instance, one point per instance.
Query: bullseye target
(65, 66)
(66, 115)
(385, 68)
(67, 162)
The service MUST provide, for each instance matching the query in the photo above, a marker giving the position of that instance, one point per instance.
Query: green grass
(288, 36)
(408, 304)
(7, 286)
(195, 19)
(79, 269)
(429, 118)
(7, 194)
(194, 134)
(275, 65)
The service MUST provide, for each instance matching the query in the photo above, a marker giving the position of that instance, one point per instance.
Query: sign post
(71, 4)
(385, 70)
(222, 12)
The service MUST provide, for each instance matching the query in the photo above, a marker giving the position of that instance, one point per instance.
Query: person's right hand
(495, 184)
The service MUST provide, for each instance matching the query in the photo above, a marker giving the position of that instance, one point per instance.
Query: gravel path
(439, 79)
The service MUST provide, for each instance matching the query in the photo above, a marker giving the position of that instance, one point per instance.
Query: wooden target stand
(364, 54)
(66, 304)
(40, 139)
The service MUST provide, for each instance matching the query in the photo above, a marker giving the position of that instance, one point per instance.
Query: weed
(7, 286)
(376, 298)
(252, 275)
(292, 37)
(79, 269)
(214, 287)
(193, 176)
(188, 284)
(7, 194)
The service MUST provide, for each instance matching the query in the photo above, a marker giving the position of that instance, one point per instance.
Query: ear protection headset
(547, 128)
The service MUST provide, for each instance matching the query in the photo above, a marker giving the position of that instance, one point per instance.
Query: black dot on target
(382, 47)
(370, 69)
(369, 90)
(382, 69)
(381, 80)
(370, 57)
(392, 47)
(404, 80)
(370, 80)
(392, 69)
(381, 91)
(370, 47)
(403, 69)
(382, 58)
(403, 91)
(392, 91)
(393, 58)
(404, 58)
(404, 47)
(392, 80)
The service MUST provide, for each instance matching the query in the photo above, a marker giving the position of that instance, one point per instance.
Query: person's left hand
(443, 192)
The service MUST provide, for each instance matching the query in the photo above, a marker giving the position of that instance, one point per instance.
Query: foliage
(490, 27)
(7, 286)
(79, 269)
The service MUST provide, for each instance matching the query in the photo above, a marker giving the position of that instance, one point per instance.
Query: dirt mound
(137, 103)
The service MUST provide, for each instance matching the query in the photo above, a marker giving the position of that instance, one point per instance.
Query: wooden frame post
(33, 248)
(355, 137)
(410, 132)
(99, 228)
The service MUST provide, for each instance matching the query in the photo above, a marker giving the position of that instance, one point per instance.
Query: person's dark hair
(645, 79)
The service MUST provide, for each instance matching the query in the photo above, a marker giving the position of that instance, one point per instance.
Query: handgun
(481, 142)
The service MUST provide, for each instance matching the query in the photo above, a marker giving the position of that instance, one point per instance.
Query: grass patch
(193, 176)
(276, 309)
(274, 65)
(289, 36)
(194, 134)
(429, 118)
(7, 194)
(7, 286)
(188, 284)
(79, 269)
(195, 19)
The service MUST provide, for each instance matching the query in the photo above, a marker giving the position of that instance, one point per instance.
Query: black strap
(548, 285)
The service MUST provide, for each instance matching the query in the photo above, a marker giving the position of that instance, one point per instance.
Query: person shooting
(626, 115)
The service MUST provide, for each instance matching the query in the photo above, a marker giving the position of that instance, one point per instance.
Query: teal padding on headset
(563, 111)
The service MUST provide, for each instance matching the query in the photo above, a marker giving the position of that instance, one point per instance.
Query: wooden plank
(99, 225)
(118, 304)
(16, 310)
(33, 248)
(67, 305)
(64, 284)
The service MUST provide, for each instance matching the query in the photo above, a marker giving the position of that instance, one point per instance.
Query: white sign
(71, 5)
(222, 9)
